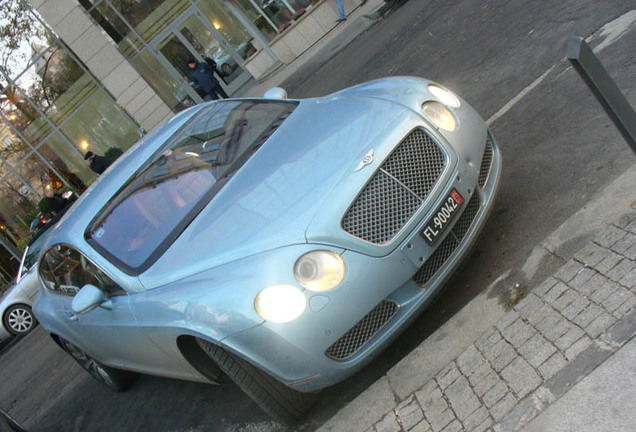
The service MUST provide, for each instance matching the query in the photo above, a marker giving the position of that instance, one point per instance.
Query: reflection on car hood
(271, 201)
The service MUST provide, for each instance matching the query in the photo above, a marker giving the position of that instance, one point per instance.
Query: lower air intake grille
(450, 243)
(486, 162)
(365, 329)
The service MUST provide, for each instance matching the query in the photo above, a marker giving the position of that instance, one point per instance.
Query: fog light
(280, 303)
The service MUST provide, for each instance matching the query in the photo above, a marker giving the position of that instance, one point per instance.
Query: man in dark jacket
(97, 163)
(202, 74)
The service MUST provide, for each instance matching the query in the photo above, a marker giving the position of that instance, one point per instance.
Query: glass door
(194, 36)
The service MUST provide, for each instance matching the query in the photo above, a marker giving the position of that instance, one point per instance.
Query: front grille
(365, 329)
(486, 162)
(396, 190)
(450, 243)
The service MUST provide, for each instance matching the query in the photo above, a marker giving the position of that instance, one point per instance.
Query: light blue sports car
(277, 243)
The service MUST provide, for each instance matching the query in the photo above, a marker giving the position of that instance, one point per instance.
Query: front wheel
(112, 378)
(275, 398)
(19, 320)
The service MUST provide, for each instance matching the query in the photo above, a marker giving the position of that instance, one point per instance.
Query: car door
(109, 333)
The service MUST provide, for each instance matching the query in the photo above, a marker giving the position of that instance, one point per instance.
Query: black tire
(115, 379)
(19, 319)
(275, 398)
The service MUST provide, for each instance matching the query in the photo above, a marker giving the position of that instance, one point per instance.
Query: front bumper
(301, 353)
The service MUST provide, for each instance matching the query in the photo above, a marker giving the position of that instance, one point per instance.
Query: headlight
(444, 96)
(280, 303)
(439, 115)
(320, 270)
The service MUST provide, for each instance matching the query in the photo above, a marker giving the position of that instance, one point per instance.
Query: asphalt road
(559, 150)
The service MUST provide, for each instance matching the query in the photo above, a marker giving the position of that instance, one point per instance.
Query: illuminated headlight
(439, 115)
(444, 96)
(320, 270)
(280, 303)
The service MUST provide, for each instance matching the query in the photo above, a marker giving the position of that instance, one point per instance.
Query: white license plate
(442, 217)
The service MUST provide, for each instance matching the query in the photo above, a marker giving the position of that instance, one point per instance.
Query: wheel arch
(198, 359)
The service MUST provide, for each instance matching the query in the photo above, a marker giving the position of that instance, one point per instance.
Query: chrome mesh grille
(486, 163)
(450, 243)
(365, 329)
(396, 190)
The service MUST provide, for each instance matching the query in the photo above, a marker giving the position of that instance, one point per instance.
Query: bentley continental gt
(277, 243)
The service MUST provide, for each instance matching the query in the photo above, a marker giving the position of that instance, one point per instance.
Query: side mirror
(276, 93)
(89, 298)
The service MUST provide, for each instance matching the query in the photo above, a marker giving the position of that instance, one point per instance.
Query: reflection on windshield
(167, 192)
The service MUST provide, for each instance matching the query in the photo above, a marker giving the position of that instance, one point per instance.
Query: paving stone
(491, 336)
(608, 263)
(575, 308)
(495, 394)
(440, 419)
(500, 355)
(609, 236)
(502, 407)
(592, 284)
(555, 292)
(617, 299)
(469, 360)
(545, 286)
(629, 280)
(447, 375)
(454, 426)
(462, 398)
(577, 348)
(604, 291)
(510, 317)
(518, 332)
(569, 338)
(582, 276)
(476, 418)
(528, 306)
(591, 254)
(537, 350)
(409, 413)
(484, 426)
(567, 297)
(621, 270)
(624, 243)
(484, 379)
(551, 324)
(388, 424)
(422, 426)
(631, 252)
(631, 227)
(626, 220)
(430, 398)
(566, 273)
(599, 325)
(551, 366)
(587, 315)
(624, 308)
(521, 377)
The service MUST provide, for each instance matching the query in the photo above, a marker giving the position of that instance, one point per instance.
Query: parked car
(279, 243)
(16, 303)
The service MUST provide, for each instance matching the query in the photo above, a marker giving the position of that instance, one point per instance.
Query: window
(167, 192)
(65, 270)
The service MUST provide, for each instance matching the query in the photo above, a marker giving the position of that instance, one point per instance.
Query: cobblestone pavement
(550, 340)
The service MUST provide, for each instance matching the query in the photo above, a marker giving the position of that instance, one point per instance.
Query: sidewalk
(560, 359)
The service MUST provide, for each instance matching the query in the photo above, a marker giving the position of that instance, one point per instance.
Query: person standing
(202, 74)
(341, 11)
(97, 163)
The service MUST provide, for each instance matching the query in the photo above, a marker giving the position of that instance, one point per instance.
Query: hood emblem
(365, 161)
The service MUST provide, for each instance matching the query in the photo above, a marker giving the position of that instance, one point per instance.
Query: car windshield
(166, 193)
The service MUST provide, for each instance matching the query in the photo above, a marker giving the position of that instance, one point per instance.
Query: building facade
(79, 75)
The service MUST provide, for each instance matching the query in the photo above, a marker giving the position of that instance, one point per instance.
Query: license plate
(441, 218)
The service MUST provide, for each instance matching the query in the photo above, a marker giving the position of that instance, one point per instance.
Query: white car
(15, 305)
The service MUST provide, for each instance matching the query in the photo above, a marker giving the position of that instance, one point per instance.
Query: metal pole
(604, 88)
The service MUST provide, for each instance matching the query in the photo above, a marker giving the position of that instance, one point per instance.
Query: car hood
(271, 201)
